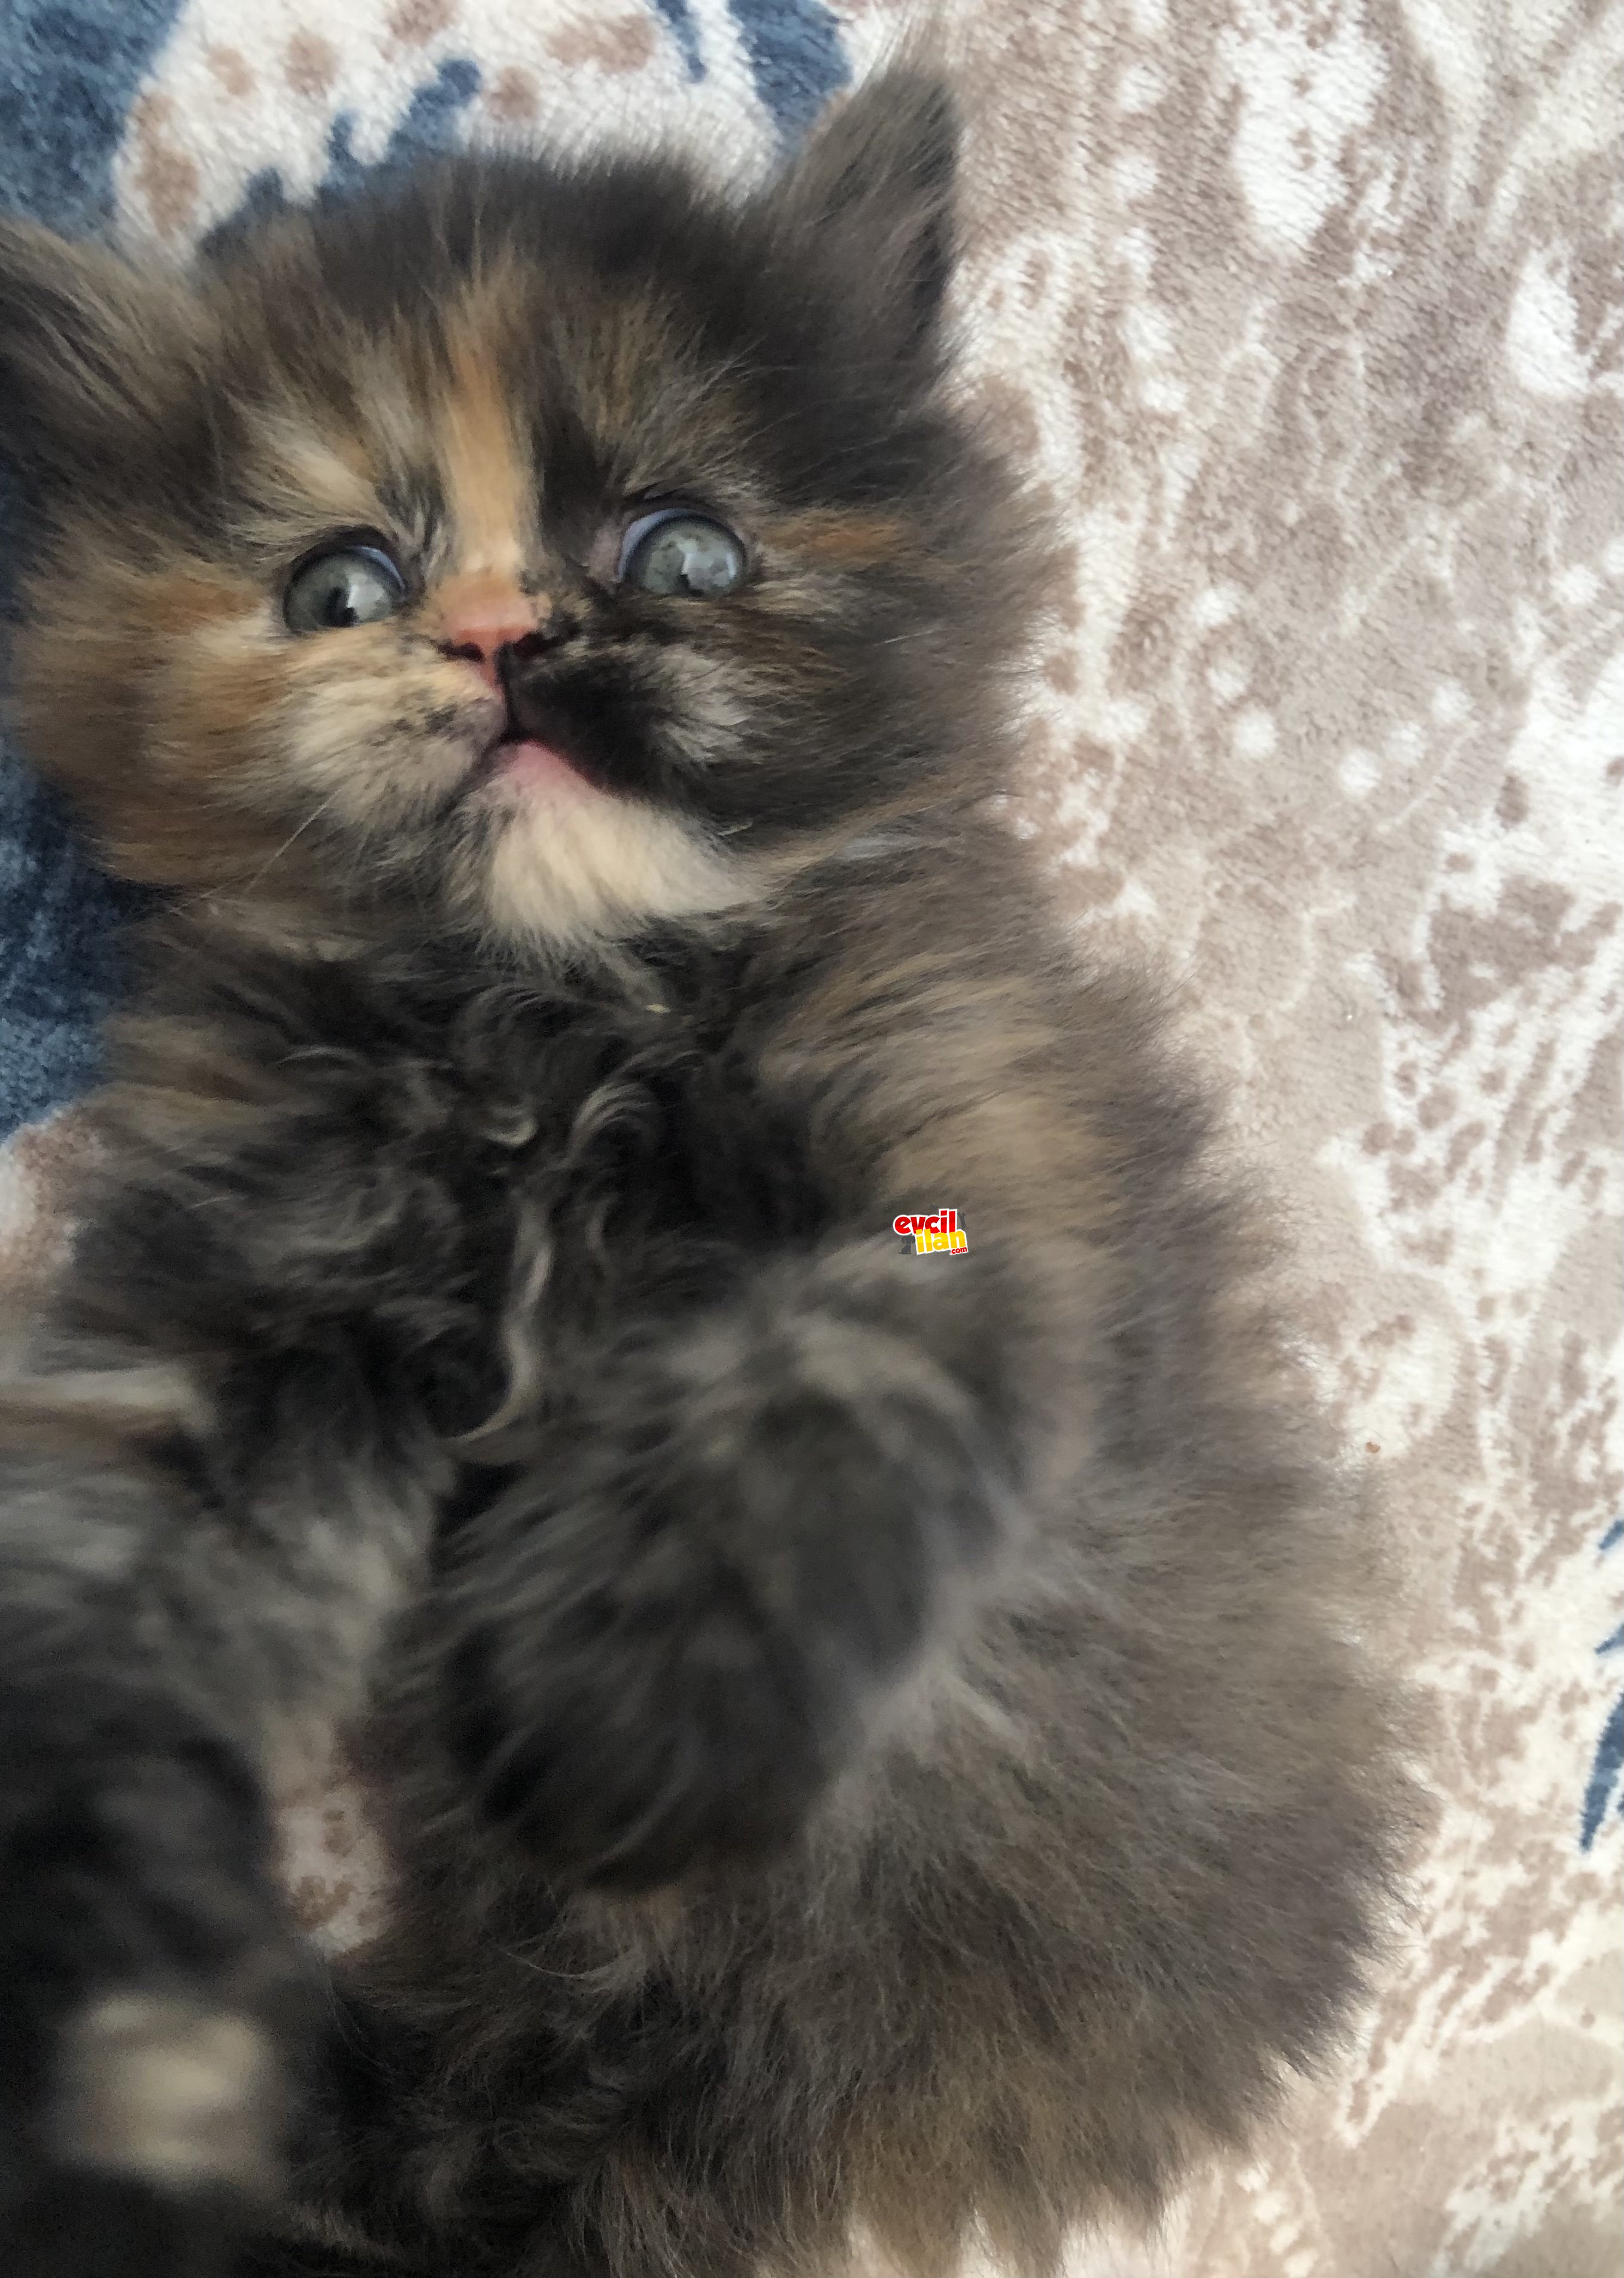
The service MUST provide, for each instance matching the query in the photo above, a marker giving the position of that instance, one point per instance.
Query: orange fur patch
(849, 541)
(487, 474)
(123, 634)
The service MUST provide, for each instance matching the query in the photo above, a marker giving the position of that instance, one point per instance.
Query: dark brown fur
(867, 1743)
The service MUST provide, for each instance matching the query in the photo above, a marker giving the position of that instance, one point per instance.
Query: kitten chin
(563, 865)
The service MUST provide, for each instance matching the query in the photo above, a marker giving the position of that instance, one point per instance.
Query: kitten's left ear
(86, 344)
(874, 187)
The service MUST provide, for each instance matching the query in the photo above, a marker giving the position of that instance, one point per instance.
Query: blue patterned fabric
(69, 72)
(430, 123)
(68, 69)
(680, 20)
(1604, 1788)
(796, 54)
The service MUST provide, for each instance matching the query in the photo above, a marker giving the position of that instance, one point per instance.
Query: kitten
(871, 1741)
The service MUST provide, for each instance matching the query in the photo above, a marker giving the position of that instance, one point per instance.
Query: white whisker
(247, 886)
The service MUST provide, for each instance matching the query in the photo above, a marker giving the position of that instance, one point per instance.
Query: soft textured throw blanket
(1306, 312)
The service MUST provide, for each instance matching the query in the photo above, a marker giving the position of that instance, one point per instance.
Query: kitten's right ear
(84, 342)
(875, 186)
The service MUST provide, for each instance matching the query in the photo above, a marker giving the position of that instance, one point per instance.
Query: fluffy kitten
(871, 1742)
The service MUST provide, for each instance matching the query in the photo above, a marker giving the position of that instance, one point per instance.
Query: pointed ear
(874, 187)
(85, 344)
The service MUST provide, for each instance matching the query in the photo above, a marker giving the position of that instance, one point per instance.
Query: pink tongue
(536, 765)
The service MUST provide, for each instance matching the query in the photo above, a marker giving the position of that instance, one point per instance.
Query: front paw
(669, 1636)
(150, 2000)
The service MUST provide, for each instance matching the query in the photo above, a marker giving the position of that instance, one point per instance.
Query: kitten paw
(668, 1638)
(149, 2003)
(156, 2130)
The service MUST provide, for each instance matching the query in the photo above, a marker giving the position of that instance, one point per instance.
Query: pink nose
(479, 635)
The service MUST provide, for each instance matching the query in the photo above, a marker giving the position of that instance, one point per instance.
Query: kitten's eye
(352, 586)
(676, 551)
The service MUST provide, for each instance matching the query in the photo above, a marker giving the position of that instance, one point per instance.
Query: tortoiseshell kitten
(872, 1743)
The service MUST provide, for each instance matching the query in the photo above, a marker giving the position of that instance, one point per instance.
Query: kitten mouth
(580, 737)
(520, 762)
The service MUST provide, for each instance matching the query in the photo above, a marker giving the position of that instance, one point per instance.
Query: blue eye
(350, 586)
(674, 550)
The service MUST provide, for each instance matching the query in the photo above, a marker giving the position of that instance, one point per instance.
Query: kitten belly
(330, 1861)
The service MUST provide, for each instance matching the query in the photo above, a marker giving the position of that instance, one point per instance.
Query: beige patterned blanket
(1307, 312)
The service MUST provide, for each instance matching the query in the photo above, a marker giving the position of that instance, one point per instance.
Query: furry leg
(167, 1603)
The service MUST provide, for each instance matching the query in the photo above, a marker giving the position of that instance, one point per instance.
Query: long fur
(869, 1744)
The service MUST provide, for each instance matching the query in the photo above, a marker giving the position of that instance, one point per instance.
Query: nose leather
(489, 645)
(492, 626)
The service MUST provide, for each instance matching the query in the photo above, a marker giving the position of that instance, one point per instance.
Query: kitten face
(550, 552)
